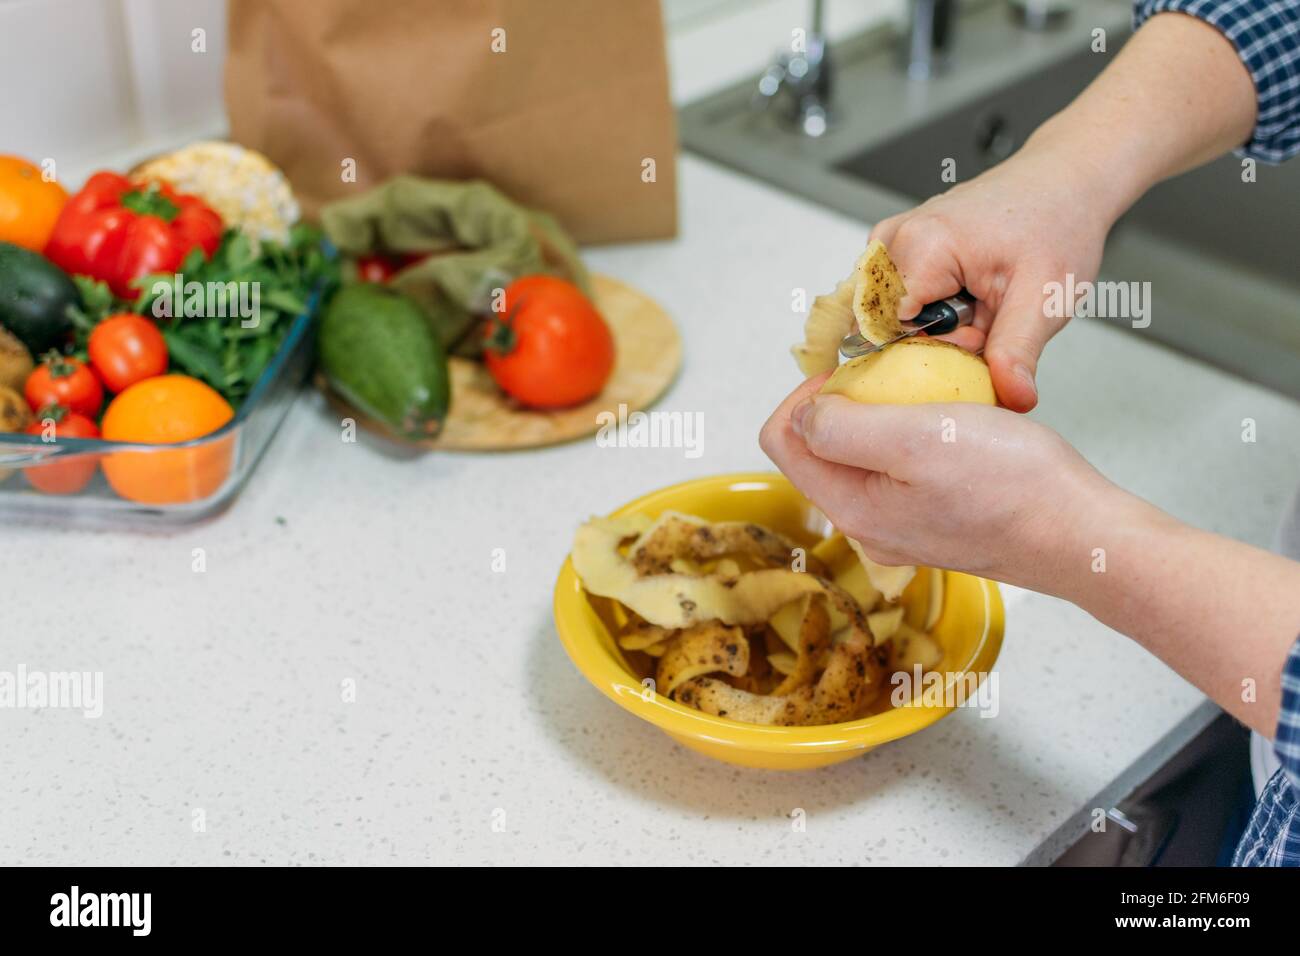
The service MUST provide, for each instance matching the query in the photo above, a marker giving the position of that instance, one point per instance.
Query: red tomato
(66, 381)
(375, 269)
(126, 348)
(549, 347)
(59, 477)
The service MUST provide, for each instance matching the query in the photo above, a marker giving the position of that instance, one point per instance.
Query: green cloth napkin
(482, 239)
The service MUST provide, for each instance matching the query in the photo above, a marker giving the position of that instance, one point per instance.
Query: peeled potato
(912, 372)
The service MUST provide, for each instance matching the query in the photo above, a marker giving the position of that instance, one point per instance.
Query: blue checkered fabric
(1272, 837)
(1267, 38)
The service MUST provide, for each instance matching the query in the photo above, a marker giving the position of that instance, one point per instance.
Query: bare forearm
(1221, 613)
(1176, 96)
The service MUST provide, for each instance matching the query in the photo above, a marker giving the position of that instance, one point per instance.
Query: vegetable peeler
(937, 318)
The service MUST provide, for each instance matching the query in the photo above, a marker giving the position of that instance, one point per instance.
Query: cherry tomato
(62, 477)
(375, 269)
(378, 268)
(126, 348)
(62, 380)
(549, 347)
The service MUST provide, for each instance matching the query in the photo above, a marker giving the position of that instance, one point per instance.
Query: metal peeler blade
(937, 318)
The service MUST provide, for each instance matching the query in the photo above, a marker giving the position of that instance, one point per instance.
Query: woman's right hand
(1175, 96)
(1003, 236)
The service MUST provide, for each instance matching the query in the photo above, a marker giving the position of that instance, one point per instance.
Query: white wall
(104, 83)
(713, 43)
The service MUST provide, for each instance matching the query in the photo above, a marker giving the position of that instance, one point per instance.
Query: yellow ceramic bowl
(969, 630)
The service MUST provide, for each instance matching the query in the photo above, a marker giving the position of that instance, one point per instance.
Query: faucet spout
(800, 80)
(929, 37)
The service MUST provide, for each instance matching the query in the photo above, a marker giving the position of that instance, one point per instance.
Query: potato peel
(722, 700)
(678, 600)
(639, 635)
(850, 685)
(814, 641)
(884, 624)
(889, 580)
(714, 631)
(703, 649)
(877, 294)
(783, 662)
(934, 608)
(866, 302)
(912, 647)
(675, 535)
(829, 320)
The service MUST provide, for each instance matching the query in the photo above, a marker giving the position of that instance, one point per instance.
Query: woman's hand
(983, 490)
(1003, 236)
(1176, 96)
(961, 486)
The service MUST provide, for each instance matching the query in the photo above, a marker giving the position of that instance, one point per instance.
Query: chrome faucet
(798, 83)
(929, 37)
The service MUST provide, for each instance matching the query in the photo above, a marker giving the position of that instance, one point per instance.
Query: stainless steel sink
(1222, 255)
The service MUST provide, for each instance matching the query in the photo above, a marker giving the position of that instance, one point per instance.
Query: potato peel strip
(693, 621)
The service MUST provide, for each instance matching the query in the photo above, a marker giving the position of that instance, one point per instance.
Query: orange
(164, 410)
(29, 205)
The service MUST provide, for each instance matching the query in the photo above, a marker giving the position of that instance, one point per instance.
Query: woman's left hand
(963, 486)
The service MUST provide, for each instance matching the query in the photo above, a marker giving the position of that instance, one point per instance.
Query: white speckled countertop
(222, 689)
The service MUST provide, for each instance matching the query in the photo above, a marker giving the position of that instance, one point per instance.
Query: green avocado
(34, 298)
(379, 353)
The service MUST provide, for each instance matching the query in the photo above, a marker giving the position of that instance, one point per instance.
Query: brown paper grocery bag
(563, 104)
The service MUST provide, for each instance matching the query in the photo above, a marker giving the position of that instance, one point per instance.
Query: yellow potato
(912, 372)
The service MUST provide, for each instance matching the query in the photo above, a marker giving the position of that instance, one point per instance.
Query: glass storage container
(202, 476)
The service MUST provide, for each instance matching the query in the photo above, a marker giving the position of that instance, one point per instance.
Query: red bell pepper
(117, 231)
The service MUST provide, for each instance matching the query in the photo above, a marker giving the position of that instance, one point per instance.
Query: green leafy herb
(206, 313)
(97, 303)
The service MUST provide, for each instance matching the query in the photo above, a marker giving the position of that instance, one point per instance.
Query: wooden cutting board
(648, 354)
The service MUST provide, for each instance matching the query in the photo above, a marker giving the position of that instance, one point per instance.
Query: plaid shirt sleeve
(1287, 741)
(1272, 837)
(1266, 34)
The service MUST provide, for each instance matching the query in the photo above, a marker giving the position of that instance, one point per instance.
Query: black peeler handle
(947, 315)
